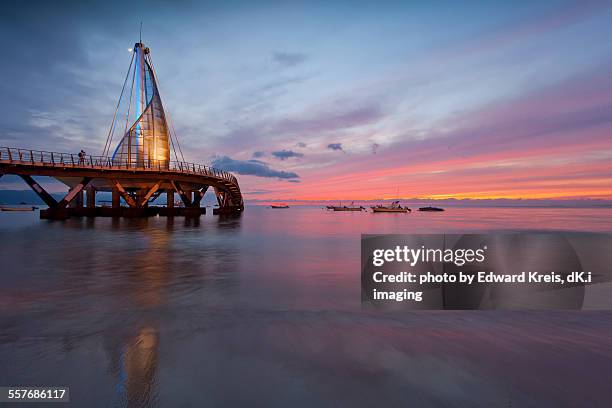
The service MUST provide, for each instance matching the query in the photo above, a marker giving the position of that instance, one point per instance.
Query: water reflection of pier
(156, 284)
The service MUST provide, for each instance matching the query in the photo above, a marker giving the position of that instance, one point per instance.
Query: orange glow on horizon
(574, 172)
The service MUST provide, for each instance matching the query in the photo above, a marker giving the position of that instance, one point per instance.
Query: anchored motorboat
(351, 207)
(4, 208)
(430, 208)
(394, 207)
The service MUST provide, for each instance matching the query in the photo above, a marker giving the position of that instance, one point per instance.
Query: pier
(137, 183)
(139, 169)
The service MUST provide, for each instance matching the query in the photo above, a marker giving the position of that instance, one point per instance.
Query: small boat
(429, 208)
(395, 207)
(17, 208)
(345, 208)
(351, 207)
(279, 206)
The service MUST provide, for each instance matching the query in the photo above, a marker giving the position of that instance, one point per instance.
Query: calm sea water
(264, 310)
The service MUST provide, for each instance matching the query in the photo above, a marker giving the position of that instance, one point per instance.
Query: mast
(147, 141)
(141, 101)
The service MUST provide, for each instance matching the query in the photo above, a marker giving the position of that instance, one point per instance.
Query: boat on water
(394, 207)
(341, 207)
(279, 206)
(4, 208)
(429, 208)
(345, 208)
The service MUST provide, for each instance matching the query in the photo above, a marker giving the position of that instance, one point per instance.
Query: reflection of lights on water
(138, 363)
(139, 355)
(147, 338)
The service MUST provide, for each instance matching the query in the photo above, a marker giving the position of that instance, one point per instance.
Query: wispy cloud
(344, 118)
(286, 154)
(251, 167)
(314, 124)
(288, 59)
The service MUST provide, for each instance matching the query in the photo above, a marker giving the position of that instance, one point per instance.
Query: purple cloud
(286, 154)
(335, 146)
(251, 167)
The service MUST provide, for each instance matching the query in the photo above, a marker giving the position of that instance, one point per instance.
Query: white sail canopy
(147, 141)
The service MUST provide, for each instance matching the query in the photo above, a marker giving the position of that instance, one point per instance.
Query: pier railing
(76, 160)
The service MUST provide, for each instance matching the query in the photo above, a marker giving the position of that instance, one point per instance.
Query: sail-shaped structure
(146, 137)
(135, 164)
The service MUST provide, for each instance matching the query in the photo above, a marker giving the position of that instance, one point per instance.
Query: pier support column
(169, 211)
(185, 195)
(197, 196)
(170, 198)
(59, 210)
(91, 197)
(141, 200)
(193, 210)
(77, 201)
(116, 200)
(37, 188)
(144, 196)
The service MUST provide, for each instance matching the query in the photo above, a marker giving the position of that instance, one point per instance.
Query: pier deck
(137, 184)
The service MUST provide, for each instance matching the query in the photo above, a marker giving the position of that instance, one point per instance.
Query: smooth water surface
(264, 310)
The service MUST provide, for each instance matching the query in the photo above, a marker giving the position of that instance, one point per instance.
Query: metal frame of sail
(136, 141)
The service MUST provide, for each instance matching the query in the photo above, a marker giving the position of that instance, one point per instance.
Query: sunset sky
(333, 100)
